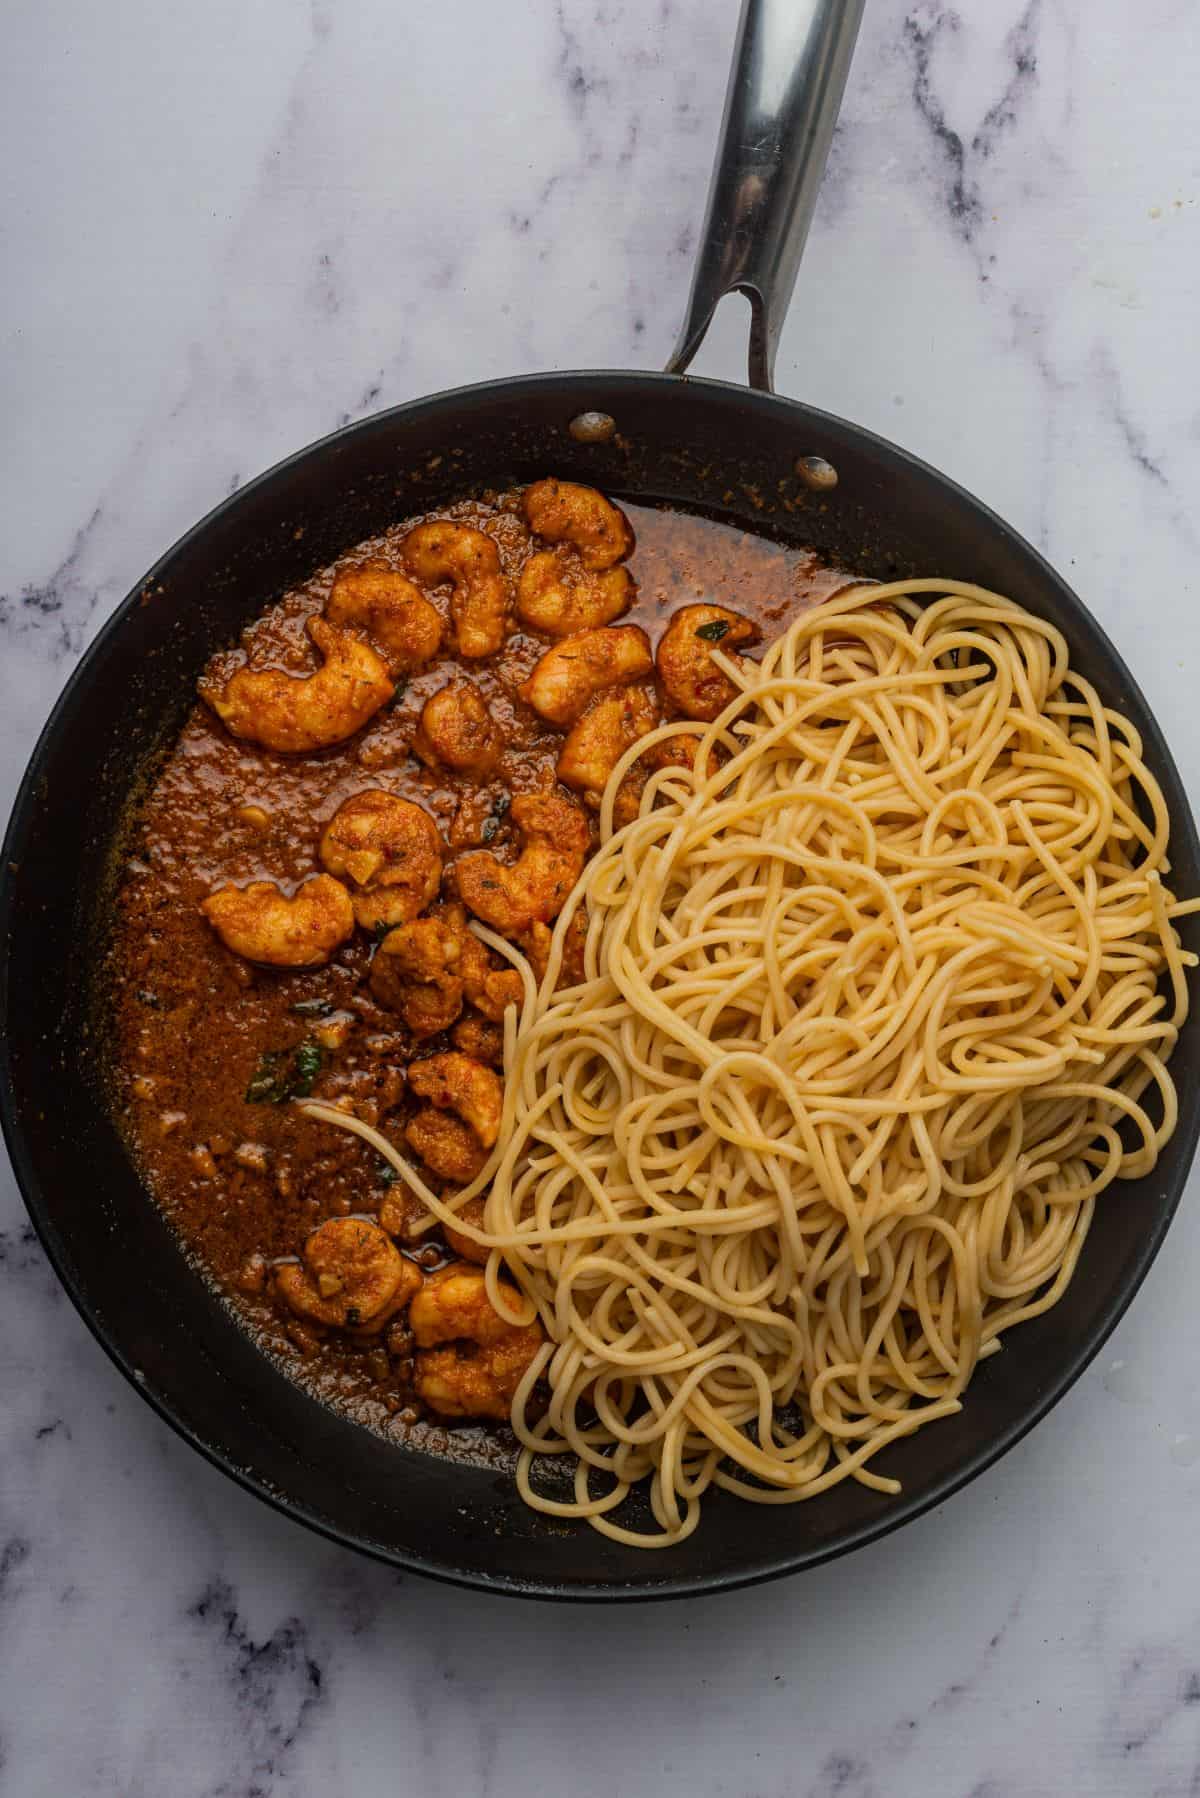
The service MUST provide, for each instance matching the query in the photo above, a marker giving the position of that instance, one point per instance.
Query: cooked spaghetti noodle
(879, 997)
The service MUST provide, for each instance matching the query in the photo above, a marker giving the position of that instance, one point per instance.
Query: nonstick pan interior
(691, 443)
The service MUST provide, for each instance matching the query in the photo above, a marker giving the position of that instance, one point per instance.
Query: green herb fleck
(312, 1008)
(284, 1074)
(385, 1173)
(713, 631)
(382, 929)
(306, 1063)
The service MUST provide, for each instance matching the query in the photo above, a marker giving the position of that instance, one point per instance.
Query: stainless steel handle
(790, 62)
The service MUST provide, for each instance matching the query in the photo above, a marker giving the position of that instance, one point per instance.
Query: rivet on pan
(817, 473)
(592, 427)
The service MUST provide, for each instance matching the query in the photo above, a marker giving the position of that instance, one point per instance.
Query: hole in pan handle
(790, 62)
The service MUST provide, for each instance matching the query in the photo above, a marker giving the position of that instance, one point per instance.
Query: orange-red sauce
(244, 1183)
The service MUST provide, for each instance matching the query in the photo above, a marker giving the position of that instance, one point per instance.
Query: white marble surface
(226, 228)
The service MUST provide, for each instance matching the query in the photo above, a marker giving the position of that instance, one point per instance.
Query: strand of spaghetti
(878, 998)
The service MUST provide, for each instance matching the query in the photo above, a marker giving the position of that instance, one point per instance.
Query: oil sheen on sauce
(244, 1184)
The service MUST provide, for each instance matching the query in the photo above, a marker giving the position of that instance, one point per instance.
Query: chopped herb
(385, 1173)
(307, 1064)
(492, 823)
(353, 1317)
(284, 1074)
(398, 695)
(312, 1008)
(149, 998)
(382, 929)
(713, 631)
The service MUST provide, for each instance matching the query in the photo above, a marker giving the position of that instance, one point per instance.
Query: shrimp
(453, 1082)
(691, 681)
(579, 585)
(556, 597)
(416, 971)
(445, 551)
(612, 724)
(351, 1277)
(391, 611)
(456, 731)
(447, 1146)
(424, 969)
(456, 1382)
(671, 752)
(400, 1212)
(465, 1246)
(490, 989)
(391, 851)
(264, 924)
(582, 665)
(563, 512)
(480, 1039)
(553, 835)
(478, 1375)
(296, 713)
(536, 944)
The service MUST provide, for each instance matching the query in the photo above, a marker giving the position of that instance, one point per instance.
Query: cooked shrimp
(483, 1383)
(557, 596)
(490, 989)
(579, 667)
(671, 752)
(393, 613)
(391, 851)
(447, 1146)
(685, 665)
(480, 1377)
(471, 1213)
(400, 1212)
(553, 835)
(578, 587)
(490, 986)
(453, 1306)
(456, 731)
(612, 724)
(536, 944)
(445, 551)
(453, 1082)
(300, 712)
(351, 1277)
(563, 512)
(676, 752)
(416, 972)
(481, 1039)
(264, 924)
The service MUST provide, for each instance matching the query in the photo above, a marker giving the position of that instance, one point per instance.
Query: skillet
(747, 457)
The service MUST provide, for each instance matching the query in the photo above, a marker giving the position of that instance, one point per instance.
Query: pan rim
(667, 1585)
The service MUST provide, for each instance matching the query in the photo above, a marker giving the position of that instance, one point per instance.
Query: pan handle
(790, 62)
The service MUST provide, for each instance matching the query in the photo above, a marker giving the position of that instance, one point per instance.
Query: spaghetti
(879, 996)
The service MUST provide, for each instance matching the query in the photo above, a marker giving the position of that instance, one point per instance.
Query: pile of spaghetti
(879, 998)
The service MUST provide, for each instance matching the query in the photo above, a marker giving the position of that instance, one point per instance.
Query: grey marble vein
(229, 229)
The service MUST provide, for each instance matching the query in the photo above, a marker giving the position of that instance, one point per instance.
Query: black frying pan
(697, 444)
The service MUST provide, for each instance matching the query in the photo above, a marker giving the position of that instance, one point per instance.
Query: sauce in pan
(208, 1041)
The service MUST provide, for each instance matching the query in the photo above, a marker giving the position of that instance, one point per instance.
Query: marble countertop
(226, 230)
